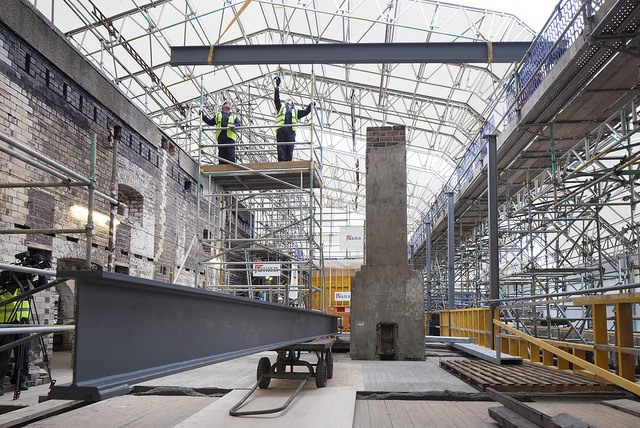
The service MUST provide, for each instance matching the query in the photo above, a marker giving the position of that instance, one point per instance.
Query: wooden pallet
(524, 378)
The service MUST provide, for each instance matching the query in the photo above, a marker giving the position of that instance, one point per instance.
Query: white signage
(351, 238)
(293, 285)
(266, 269)
(342, 296)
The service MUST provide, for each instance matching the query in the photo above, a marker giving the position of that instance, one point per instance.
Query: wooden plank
(474, 377)
(448, 339)
(525, 378)
(418, 417)
(131, 410)
(588, 412)
(509, 419)
(265, 176)
(624, 334)
(487, 354)
(258, 166)
(607, 299)
(439, 415)
(361, 414)
(378, 416)
(31, 413)
(602, 373)
(398, 414)
(567, 421)
(624, 405)
(313, 407)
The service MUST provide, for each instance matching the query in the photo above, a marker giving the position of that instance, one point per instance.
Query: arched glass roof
(443, 106)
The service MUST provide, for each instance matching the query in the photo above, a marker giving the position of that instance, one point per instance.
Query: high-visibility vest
(280, 118)
(230, 133)
(14, 311)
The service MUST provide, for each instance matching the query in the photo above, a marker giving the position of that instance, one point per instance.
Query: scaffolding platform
(265, 176)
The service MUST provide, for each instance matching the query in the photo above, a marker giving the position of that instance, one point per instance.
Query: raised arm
(276, 99)
(302, 113)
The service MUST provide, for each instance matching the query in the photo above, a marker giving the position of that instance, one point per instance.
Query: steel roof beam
(350, 53)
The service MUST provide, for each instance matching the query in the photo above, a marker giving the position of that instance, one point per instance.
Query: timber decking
(524, 378)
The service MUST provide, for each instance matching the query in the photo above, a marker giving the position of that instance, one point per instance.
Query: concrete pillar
(387, 299)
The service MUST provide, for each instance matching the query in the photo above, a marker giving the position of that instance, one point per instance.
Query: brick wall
(43, 108)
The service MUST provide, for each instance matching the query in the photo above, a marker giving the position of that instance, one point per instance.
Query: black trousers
(227, 153)
(20, 355)
(285, 151)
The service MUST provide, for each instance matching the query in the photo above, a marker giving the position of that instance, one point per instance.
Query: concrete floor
(239, 375)
(388, 376)
(334, 406)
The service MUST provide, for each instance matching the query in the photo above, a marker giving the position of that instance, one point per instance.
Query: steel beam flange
(129, 330)
(351, 53)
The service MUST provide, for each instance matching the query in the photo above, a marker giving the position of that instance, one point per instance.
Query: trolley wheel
(321, 373)
(264, 368)
(329, 359)
(281, 366)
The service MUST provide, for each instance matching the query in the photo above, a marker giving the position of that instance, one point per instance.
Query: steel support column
(131, 329)
(350, 53)
(492, 179)
(451, 252)
(428, 263)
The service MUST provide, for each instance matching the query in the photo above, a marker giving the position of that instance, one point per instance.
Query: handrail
(477, 323)
(600, 372)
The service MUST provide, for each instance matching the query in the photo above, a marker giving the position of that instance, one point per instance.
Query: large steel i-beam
(130, 329)
(351, 53)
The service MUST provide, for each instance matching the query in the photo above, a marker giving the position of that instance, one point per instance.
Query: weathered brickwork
(43, 109)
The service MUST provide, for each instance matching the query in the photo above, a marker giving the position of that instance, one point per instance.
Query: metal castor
(264, 368)
(321, 373)
(329, 359)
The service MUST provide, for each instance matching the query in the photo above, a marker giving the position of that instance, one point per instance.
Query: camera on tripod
(10, 281)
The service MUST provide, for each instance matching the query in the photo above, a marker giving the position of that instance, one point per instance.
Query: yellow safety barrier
(559, 354)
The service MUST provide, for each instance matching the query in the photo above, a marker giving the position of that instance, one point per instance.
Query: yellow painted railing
(474, 323)
(558, 354)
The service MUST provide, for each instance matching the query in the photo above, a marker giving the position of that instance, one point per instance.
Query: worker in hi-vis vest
(16, 312)
(227, 138)
(287, 114)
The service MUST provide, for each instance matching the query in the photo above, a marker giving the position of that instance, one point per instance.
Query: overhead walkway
(581, 71)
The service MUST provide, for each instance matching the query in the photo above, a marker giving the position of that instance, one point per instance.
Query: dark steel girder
(132, 329)
(351, 53)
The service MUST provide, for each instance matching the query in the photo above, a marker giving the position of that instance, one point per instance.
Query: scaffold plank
(264, 175)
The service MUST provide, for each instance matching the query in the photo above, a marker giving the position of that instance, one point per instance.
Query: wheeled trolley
(283, 368)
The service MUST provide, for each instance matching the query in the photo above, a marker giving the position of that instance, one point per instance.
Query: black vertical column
(451, 252)
(494, 278)
(428, 244)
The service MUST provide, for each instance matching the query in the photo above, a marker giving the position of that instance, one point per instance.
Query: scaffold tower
(261, 220)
